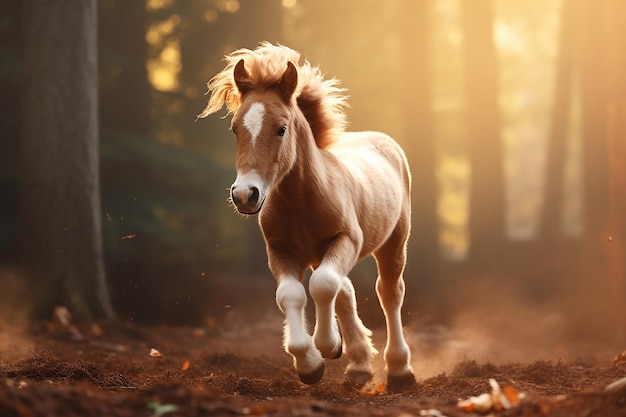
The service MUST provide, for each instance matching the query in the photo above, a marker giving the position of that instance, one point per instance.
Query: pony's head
(266, 137)
(274, 103)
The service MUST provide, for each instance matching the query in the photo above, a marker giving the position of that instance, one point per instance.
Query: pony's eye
(281, 131)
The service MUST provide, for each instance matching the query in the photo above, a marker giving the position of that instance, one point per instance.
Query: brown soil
(241, 370)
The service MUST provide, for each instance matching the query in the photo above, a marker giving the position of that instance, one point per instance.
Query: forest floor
(238, 368)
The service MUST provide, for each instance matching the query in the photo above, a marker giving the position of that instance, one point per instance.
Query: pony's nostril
(254, 196)
(234, 197)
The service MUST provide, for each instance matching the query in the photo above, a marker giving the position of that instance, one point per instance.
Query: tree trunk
(61, 215)
(549, 228)
(615, 34)
(487, 221)
(594, 111)
(419, 143)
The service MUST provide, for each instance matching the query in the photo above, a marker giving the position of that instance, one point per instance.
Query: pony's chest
(299, 237)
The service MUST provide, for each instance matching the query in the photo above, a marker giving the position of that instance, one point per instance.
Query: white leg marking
(324, 286)
(397, 353)
(291, 298)
(253, 120)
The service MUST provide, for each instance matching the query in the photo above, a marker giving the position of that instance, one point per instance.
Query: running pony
(326, 199)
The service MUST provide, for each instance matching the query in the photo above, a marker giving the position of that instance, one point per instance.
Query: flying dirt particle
(155, 353)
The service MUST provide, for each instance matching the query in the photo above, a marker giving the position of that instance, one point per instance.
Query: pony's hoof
(339, 352)
(402, 383)
(358, 379)
(314, 377)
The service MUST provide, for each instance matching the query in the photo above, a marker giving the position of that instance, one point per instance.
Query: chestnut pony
(326, 199)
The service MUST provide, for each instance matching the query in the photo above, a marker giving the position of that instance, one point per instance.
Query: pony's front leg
(291, 299)
(324, 285)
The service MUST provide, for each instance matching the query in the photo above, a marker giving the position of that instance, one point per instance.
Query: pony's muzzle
(246, 199)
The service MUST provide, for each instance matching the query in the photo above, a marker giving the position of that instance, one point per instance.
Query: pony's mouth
(250, 210)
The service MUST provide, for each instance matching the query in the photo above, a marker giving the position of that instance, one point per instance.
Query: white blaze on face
(253, 120)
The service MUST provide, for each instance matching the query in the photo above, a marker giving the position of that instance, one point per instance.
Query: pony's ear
(289, 81)
(242, 78)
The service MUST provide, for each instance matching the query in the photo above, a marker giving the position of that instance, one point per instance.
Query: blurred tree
(614, 39)
(123, 77)
(486, 221)
(419, 143)
(591, 58)
(61, 218)
(258, 21)
(550, 221)
(10, 66)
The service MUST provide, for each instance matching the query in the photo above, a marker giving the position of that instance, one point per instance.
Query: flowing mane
(321, 101)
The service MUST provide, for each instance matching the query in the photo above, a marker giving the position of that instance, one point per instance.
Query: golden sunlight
(453, 206)
(210, 16)
(164, 70)
(230, 6)
(165, 64)
(158, 4)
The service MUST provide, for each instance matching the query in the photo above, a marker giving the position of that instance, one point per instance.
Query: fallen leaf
(618, 386)
(432, 412)
(511, 394)
(160, 409)
(497, 399)
(476, 404)
(62, 314)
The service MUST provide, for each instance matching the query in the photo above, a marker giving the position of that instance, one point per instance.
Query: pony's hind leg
(359, 348)
(391, 258)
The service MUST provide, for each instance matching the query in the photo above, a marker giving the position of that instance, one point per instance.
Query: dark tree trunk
(487, 221)
(420, 148)
(61, 215)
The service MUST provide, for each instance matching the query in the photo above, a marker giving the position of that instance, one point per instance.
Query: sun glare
(163, 71)
(230, 6)
(165, 64)
(158, 4)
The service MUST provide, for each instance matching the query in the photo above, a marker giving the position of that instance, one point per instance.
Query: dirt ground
(239, 368)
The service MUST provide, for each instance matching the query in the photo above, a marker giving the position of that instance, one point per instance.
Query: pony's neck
(309, 169)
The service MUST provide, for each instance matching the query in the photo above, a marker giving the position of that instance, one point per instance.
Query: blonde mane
(321, 101)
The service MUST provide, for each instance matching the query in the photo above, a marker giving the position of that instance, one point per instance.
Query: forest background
(513, 116)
